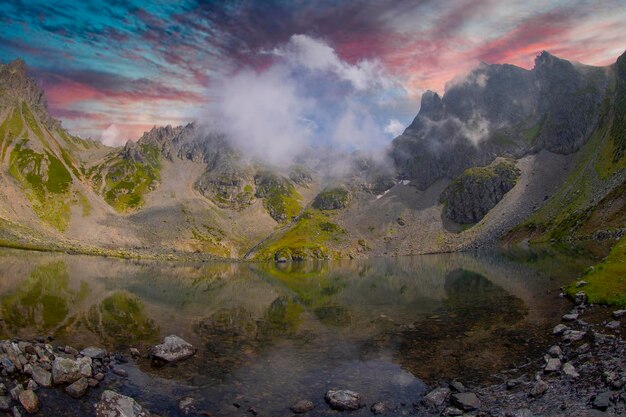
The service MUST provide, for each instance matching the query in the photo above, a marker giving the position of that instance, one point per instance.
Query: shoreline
(582, 374)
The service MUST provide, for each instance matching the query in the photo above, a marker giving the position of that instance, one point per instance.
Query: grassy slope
(123, 182)
(311, 236)
(607, 280)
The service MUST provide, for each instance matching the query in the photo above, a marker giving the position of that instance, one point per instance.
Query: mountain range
(505, 156)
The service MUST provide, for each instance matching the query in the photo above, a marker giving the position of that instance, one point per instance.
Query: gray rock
(112, 404)
(78, 388)
(16, 391)
(343, 400)
(582, 349)
(553, 365)
(581, 283)
(555, 351)
(559, 329)
(379, 408)
(452, 411)
(120, 372)
(580, 298)
(613, 324)
(187, 405)
(302, 406)
(573, 335)
(94, 352)
(437, 397)
(5, 403)
(524, 412)
(173, 349)
(466, 401)
(134, 352)
(7, 364)
(570, 317)
(29, 401)
(16, 412)
(41, 376)
(538, 389)
(32, 385)
(618, 314)
(569, 370)
(457, 386)
(65, 370)
(602, 400)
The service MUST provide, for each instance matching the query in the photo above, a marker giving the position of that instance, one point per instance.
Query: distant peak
(432, 106)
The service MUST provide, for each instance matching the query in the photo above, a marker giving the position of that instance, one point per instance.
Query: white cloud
(316, 55)
(394, 127)
(264, 115)
(112, 136)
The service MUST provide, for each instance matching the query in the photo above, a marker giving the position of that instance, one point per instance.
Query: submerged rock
(343, 400)
(302, 406)
(187, 405)
(173, 349)
(379, 408)
(112, 404)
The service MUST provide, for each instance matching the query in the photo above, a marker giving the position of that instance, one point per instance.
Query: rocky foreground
(583, 374)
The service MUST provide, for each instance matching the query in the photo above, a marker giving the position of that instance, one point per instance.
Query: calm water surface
(268, 334)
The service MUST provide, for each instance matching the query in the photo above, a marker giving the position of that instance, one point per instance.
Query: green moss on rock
(332, 198)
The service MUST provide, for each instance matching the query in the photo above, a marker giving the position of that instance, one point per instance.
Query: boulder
(553, 365)
(29, 401)
(538, 389)
(569, 370)
(67, 371)
(559, 329)
(302, 406)
(343, 400)
(78, 388)
(436, 397)
(466, 401)
(112, 404)
(94, 352)
(41, 376)
(173, 349)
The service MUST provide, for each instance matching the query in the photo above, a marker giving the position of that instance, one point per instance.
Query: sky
(346, 73)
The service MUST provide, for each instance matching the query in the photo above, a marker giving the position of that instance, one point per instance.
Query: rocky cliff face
(501, 110)
(477, 190)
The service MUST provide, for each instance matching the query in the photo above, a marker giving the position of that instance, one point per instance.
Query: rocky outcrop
(477, 190)
(332, 198)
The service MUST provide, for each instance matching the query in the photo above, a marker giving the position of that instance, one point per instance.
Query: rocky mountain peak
(432, 106)
(18, 87)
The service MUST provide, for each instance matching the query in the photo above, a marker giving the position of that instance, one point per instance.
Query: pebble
(553, 365)
(570, 317)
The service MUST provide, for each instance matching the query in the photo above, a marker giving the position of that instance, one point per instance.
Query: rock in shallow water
(302, 406)
(65, 370)
(343, 400)
(78, 388)
(436, 397)
(173, 349)
(112, 404)
(29, 401)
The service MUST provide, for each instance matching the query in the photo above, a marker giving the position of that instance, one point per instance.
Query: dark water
(268, 334)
